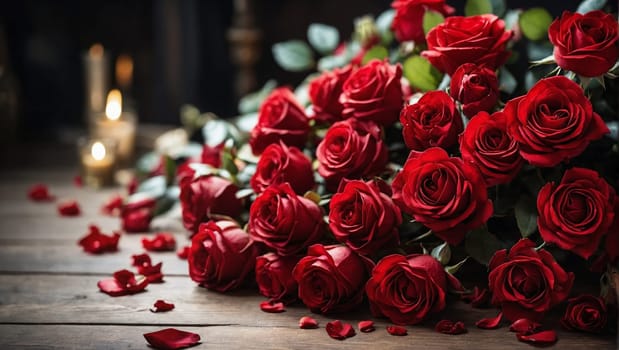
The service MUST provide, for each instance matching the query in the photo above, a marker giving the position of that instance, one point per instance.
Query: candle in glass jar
(118, 125)
(96, 63)
(98, 160)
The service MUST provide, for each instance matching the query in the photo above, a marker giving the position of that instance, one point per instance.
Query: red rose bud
(162, 242)
(40, 193)
(324, 93)
(221, 256)
(69, 208)
(96, 242)
(486, 143)
(122, 283)
(363, 216)
(366, 326)
(475, 87)
(331, 278)
(162, 306)
(577, 212)
(274, 277)
(450, 327)
(351, 149)
(284, 221)
(373, 93)
(526, 282)
(205, 196)
(445, 194)
(307, 322)
(280, 118)
(585, 313)
(171, 339)
(339, 330)
(478, 39)
(434, 121)
(548, 136)
(280, 163)
(585, 44)
(408, 20)
(397, 330)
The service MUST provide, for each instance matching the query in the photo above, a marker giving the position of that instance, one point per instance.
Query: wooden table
(49, 296)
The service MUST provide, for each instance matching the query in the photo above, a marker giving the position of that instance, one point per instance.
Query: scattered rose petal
(490, 323)
(162, 306)
(40, 193)
(450, 327)
(340, 331)
(171, 338)
(183, 252)
(397, 330)
(366, 326)
(113, 206)
(541, 338)
(140, 260)
(122, 283)
(524, 326)
(272, 307)
(69, 208)
(307, 322)
(162, 241)
(96, 242)
(152, 272)
(77, 181)
(478, 298)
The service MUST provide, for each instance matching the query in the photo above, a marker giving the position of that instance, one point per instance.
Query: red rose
(478, 39)
(221, 255)
(408, 20)
(445, 194)
(206, 195)
(136, 216)
(280, 118)
(406, 289)
(284, 221)
(274, 277)
(585, 44)
(434, 121)
(280, 163)
(553, 122)
(363, 216)
(324, 92)
(486, 143)
(373, 92)
(575, 214)
(585, 313)
(351, 149)
(527, 282)
(475, 87)
(212, 155)
(331, 278)
(612, 238)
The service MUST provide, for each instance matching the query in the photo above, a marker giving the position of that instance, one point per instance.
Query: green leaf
(431, 19)
(590, 5)
(322, 37)
(330, 62)
(539, 50)
(217, 131)
(154, 187)
(384, 20)
(511, 18)
(442, 253)
(507, 82)
(534, 23)
(477, 7)
(481, 245)
(525, 212)
(251, 102)
(376, 52)
(170, 169)
(452, 269)
(498, 7)
(293, 55)
(421, 74)
(148, 162)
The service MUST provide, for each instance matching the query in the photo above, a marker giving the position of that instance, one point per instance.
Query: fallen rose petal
(524, 326)
(490, 323)
(541, 338)
(183, 252)
(140, 260)
(69, 208)
(155, 278)
(340, 331)
(450, 327)
(77, 181)
(161, 242)
(171, 338)
(366, 326)
(161, 306)
(96, 242)
(397, 330)
(40, 193)
(307, 322)
(152, 272)
(113, 206)
(269, 306)
(123, 282)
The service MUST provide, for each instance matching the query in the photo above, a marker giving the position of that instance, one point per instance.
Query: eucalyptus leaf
(477, 7)
(155, 186)
(431, 19)
(481, 245)
(384, 20)
(421, 74)
(251, 102)
(331, 62)
(442, 253)
(507, 82)
(452, 269)
(534, 23)
(376, 52)
(498, 7)
(525, 212)
(539, 50)
(590, 5)
(148, 162)
(322, 37)
(293, 55)
(217, 131)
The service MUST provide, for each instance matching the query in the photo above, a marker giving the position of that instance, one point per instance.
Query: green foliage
(481, 245)
(376, 52)
(498, 7)
(293, 55)
(442, 253)
(507, 82)
(477, 7)
(251, 102)
(590, 5)
(154, 187)
(322, 37)
(431, 19)
(421, 74)
(534, 23)
(526, 215)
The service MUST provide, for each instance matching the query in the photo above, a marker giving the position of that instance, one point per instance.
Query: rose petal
(524, 326)
(161, 306)
(490, 323)
(122, 283)
(96, 242)
(307, 322)
(69, 208)
(113, 206)
(171, 338)
(40, 193)
(366, 326)
(162, 241)
(152, 272)
(77, 181)
(183, 252)
(270, 306)
(541, 338)
(140, 260)
(397, 330)
(450, 327)
(340, 331)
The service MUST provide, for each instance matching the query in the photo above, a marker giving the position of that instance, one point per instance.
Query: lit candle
(96, 81)
(118, 125)
(98, 163)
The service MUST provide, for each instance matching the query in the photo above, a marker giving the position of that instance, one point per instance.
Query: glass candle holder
(98, 160)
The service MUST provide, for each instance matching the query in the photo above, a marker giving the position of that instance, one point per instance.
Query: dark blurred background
(181, 52)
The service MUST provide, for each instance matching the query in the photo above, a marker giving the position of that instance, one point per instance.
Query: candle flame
(113, 108)
(96, 50)
(98, 151)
